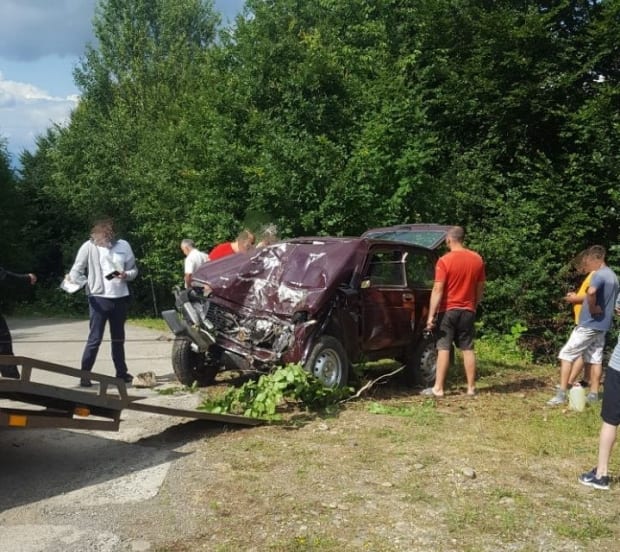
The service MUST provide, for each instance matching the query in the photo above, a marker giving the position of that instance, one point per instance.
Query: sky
(41, 41)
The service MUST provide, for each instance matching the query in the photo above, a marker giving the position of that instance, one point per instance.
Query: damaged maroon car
(323, 302)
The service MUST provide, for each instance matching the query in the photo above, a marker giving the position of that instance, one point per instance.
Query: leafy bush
(262, 398)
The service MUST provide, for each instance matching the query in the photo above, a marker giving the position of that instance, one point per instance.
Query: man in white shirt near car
(193, 259)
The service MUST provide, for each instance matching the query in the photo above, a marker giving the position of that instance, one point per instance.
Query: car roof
(426, 235)
(359, 240)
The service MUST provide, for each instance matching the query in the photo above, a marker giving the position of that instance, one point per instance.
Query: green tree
(124, 151)
(503, 85)
(14, 252)
(11, 216)
(54, 226)
(330, 116)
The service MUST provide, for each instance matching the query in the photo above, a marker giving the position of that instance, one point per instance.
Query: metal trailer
(30, 405)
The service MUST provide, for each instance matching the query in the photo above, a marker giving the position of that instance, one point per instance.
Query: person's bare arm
(436, 296)
(30, 277)
(573, 298)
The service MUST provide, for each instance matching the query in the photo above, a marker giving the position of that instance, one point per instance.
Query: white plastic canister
(577, 398)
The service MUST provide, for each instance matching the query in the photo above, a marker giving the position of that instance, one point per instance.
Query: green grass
(526, 456)
(150, 323)
(305, 543)
(387, 472)
(420, 413)
(583, 527)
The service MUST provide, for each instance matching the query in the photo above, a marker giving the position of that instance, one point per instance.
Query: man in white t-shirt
(193, 259)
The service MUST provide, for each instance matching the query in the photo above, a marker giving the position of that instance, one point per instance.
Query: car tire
(189, 366)
(328, 362)
(421, 365)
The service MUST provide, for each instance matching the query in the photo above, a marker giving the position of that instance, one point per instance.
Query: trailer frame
(34, 405)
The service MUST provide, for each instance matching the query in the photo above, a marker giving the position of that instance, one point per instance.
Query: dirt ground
(413, 476)
(391, 472)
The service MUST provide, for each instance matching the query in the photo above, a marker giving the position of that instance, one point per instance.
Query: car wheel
(421, 365)
(328, 362)
(189, 366)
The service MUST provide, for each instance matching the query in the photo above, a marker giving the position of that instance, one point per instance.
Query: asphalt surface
(60, 489)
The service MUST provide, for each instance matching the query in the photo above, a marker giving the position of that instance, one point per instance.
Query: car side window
(420, 270)
(386, 269)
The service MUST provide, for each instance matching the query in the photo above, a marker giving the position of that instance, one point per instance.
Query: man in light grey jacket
(107, 264)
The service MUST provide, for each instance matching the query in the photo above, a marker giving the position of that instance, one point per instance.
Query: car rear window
(425, 238)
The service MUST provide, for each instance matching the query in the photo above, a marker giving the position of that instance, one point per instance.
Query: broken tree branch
(371, 383)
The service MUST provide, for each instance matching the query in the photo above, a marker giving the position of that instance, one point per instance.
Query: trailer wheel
(328, 362)
(189, 366)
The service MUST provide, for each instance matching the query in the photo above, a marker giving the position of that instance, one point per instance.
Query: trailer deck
(27, 403)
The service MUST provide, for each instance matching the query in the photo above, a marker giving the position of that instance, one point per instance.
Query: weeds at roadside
(305, 543)
(584, 527)
(386, 472)
(423, 413)
(178, 389)
(269, 395)
(150, 323)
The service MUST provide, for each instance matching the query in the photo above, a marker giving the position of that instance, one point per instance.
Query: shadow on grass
(518, 385)
(187, 431)
(494, 376)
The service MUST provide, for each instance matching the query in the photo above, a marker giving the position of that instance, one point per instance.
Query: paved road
(58, 486)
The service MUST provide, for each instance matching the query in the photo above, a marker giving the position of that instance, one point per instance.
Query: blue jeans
(102, 310)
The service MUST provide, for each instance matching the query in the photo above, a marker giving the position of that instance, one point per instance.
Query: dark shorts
(456, 326)
(610, 410)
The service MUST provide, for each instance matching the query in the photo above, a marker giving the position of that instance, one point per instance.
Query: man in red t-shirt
(243, 243)
(458, 288)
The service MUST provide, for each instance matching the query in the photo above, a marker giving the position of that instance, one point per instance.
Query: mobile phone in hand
(112, 275)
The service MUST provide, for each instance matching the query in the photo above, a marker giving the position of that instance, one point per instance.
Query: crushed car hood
(287, 277)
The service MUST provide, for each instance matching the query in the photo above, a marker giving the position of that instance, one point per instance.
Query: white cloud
(39, 42)
(31, 29)
(27, 111)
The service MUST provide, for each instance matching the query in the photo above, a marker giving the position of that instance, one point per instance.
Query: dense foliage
(14, 254)
(332, 116)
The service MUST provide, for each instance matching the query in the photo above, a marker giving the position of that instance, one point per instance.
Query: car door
(388, 303)
(420, 273)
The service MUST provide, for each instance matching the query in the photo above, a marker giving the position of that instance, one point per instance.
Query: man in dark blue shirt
(595, 319)
(6, 344)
